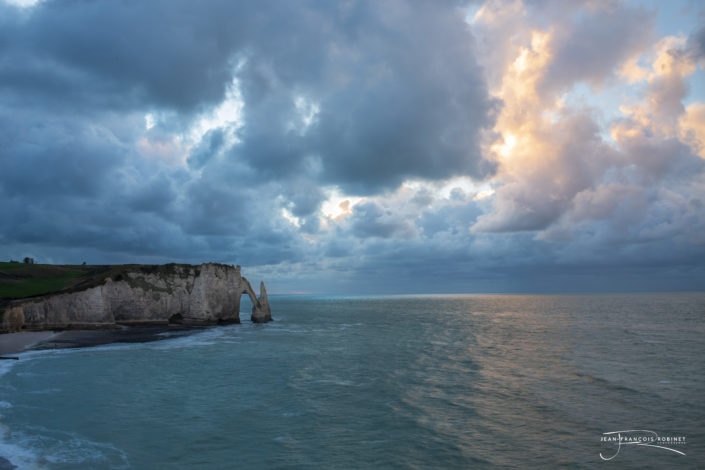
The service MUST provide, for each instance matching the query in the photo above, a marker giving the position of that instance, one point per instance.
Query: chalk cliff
(205, 294)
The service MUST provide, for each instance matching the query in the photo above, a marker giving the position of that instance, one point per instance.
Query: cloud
(559, 160)
(358, 95)
(209, 146)
(386, 80)
(353, 145)
(394, 93)
(696, 44)
(590, 49)
(75, 164)
(371, 220)
(692, 128)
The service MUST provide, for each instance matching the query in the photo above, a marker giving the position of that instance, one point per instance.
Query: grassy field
(19, 280)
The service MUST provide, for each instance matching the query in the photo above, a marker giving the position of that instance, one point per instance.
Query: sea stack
(261, 313)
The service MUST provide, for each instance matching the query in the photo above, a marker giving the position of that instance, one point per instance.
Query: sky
(360, 147)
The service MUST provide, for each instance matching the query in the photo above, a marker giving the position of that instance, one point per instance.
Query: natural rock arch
(261, 312)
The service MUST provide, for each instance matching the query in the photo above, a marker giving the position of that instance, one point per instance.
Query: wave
(44, 448)
(18, 454)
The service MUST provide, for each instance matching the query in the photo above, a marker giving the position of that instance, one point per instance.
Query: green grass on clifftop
(19, 280)
(25, 280)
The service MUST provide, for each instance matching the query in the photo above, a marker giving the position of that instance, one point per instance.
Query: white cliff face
(205, 294)
(66, 310)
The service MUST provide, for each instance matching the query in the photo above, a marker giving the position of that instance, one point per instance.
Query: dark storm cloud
(304, 196)
(170, 53)
(395, 84)
(371, 220)
(361, 94)
(396, 93)
(211, 143)
(45, 157)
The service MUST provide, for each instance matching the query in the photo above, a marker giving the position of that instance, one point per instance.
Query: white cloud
(23, 3)
(227, 115)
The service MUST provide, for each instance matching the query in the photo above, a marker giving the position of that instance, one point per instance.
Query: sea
(390, 382)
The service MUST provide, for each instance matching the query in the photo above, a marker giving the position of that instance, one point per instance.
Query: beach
(13, 343)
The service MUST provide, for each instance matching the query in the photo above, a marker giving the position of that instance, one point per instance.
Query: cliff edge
(138, 295)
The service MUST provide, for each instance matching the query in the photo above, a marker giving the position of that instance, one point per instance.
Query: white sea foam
(46, 391)
(27, 374)
(19, 455)
(5, 367)
(285, 440)
(208, 337)
(78, 450)
(44, 447)
(17, 448)
(343, 383)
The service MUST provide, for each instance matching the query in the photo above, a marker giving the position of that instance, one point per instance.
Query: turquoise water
(380, 382)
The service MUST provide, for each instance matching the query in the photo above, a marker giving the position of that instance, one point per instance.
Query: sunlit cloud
(336, 206)
(169, 150)
(149, 121)
(633, 71)
(227, 115)
(692, 127)
(291, 218)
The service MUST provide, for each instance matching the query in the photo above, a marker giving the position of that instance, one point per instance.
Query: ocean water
(479, 381)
